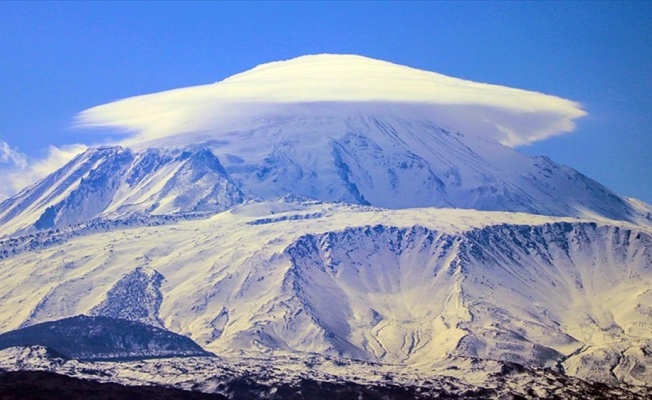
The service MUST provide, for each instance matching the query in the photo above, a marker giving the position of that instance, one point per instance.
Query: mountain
(367, 228)
(103, 338)
(393, 142)
(410, 287)
(114, 181)
(374, 159)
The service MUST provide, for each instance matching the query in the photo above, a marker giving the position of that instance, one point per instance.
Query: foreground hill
(102, 338)
(283, 377)
(41, 385)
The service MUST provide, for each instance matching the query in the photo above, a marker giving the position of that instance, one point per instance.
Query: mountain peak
(117, 182)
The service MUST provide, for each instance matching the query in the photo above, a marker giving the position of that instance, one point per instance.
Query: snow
(31, 203)
(413, 286)
(115, 181)
(458, 377)
(374, 155)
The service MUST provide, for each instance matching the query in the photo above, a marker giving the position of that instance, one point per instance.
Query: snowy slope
(399, 286)
(384, 156)
(115, 181)
(379, 159)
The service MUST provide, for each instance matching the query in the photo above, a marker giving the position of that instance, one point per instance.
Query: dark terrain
(41, 385)
(102, 338)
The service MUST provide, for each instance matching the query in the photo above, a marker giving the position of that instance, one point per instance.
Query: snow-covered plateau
(355, 240)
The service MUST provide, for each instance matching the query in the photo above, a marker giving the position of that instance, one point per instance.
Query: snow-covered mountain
(411, 287)
(378, 147)
(374, 157)
(114, 181)
(368, 228)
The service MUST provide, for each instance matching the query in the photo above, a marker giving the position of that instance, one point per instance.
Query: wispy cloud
(11, 157)
(511, 116)
(18, 171)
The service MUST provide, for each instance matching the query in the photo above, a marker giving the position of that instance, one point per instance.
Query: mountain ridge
(386, 162)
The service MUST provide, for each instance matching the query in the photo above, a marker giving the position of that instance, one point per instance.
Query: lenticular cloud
(511, 116)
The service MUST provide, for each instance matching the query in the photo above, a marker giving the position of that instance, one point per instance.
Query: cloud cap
(511, 116)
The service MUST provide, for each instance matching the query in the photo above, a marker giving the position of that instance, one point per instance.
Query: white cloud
(512, 116)
(18, 171)
(11, 157)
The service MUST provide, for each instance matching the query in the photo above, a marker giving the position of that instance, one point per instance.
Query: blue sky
(57, 59)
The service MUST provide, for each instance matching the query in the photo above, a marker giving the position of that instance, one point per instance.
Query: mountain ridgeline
(382, 161)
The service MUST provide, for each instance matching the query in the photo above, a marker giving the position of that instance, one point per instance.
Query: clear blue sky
(57, 59)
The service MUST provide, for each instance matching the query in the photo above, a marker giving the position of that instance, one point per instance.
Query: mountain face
(359, 229)
(368, 159)
(114, 181)
(410, 287)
